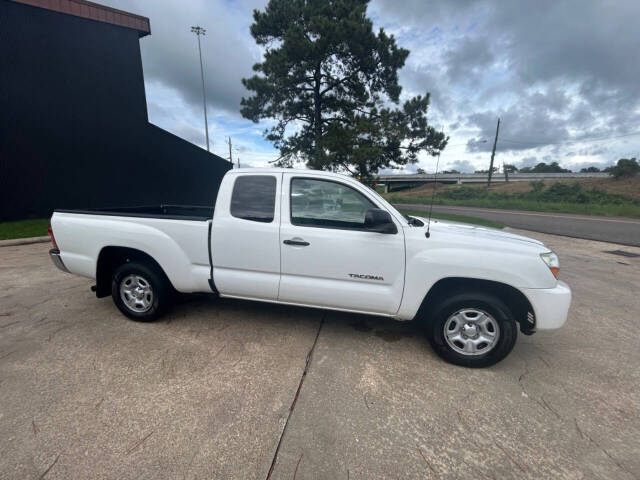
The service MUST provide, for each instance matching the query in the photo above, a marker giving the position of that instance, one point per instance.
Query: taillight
(53, 239)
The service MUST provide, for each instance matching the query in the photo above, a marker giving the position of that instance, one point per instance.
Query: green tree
(542, 167)
(589, 170)
(510, 168)
(626, 167)
(331, 83)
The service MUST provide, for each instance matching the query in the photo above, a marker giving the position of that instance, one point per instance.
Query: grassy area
(24, 228)
(454, 218)
(558, 197)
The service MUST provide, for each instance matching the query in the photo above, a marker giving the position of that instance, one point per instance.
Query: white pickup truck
(318, 239)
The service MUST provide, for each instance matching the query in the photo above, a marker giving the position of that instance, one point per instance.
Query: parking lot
(207, 391)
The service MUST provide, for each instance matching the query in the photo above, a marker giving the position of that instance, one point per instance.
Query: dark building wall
(73, 121)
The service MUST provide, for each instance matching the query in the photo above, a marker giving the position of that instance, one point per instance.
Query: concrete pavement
(625, 231)
(207, 391)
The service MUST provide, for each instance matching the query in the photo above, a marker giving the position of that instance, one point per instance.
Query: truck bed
(176, 236)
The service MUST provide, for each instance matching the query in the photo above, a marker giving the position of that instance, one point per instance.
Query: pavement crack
(53, 334)
(613, 459)
(295, 398)
(50, 467)
(218, 353)
(474, 469)
(295, 472)
(433, 470)
(545, 361)
(511, 458)
(138, 443)
(7, 354)
(522, 375)
(546, 404)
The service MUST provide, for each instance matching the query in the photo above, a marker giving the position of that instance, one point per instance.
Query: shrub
(537, 185)
(626, 167)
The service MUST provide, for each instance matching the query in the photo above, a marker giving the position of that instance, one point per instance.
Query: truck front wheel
(139, 291)
(472, 329)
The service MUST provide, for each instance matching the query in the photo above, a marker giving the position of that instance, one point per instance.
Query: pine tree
(331, 84)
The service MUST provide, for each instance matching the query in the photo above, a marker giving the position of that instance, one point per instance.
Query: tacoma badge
(366, 277)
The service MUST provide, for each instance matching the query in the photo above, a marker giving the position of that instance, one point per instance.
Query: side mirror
(378, 220)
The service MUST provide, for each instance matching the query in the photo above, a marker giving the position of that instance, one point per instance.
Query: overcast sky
(563, 76)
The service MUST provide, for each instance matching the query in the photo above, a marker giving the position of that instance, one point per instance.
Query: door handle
(298, 243)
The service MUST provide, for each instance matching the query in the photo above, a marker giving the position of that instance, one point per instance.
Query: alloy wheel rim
(136, 293)
(471, 332)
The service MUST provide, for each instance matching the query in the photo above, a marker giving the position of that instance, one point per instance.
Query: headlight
(551, 259)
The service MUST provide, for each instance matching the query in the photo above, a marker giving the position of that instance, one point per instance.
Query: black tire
(465, 302)
(155, 304)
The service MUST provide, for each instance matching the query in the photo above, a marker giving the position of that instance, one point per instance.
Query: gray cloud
(554, 72)
(527, 162)
(469, 59)
(464, 166)
(170, 53)
(523, 125)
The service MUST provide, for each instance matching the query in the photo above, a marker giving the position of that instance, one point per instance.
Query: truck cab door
(328, 256)
(245, 244)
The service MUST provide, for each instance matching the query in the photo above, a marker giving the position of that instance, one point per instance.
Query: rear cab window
(254, 198)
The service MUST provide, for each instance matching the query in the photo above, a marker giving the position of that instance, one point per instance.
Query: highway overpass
(399, 181)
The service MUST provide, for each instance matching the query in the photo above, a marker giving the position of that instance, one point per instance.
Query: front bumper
(550, 305)
(54, 253)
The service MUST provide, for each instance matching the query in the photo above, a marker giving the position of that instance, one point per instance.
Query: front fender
(425, 268)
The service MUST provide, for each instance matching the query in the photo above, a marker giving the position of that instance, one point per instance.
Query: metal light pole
(201, 31)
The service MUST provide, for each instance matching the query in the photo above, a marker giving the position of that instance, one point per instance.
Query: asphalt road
(625, 231)
(234, 390)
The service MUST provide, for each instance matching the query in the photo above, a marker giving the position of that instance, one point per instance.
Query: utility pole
(230, 156)
(493, 154)
(201, 31)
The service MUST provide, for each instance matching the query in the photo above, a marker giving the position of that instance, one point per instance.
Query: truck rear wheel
(472, 329)
(140, 292)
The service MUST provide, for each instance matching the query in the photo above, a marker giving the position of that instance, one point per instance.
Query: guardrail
(451, 178)
(483, 177)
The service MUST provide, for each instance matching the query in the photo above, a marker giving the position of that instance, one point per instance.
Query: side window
(323, 203)
(254, 198)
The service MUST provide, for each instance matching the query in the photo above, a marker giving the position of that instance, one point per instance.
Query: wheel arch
(517, 302)
(111, 257)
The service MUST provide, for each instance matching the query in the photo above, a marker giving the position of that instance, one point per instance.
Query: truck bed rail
(171, 212)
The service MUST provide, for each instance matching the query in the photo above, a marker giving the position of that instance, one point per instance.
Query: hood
(474, 231)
